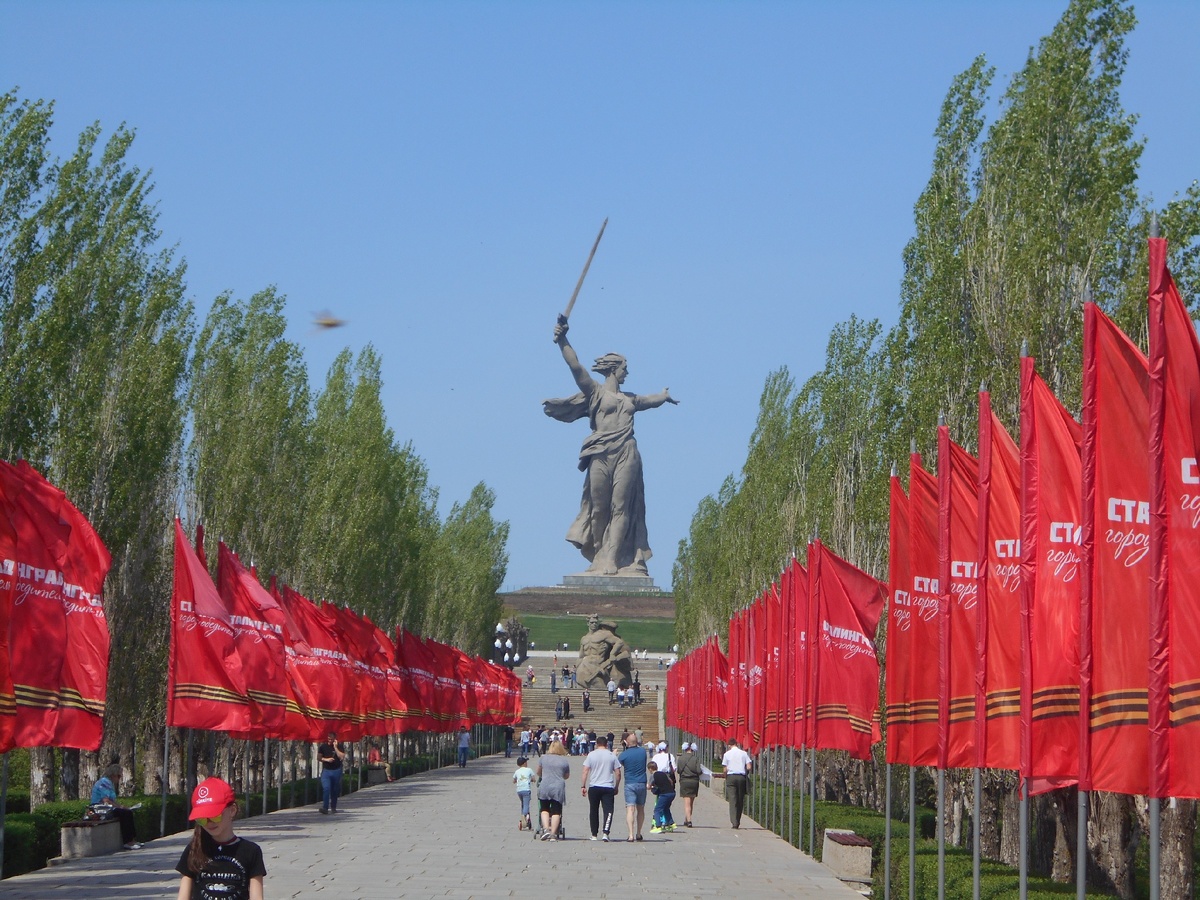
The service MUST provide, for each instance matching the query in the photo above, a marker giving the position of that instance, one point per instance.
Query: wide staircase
(538, 703)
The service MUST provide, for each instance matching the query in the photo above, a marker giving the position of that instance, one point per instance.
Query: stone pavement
(453, 833)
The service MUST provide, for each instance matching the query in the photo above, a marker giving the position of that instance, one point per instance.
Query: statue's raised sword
(582, 275)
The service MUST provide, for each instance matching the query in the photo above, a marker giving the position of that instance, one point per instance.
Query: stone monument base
(615, 583)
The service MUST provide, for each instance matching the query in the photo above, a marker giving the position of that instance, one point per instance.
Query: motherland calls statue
(603, 655)
(610, 530)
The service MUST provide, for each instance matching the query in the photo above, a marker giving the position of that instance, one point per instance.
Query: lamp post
(508, 648)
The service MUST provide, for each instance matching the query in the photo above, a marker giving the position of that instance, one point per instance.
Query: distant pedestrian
(566, 708)
(601, 776)
(737, 764)
(663, 787)
(637, 691)
(553, 772)
(591, 739)
(587, 700)
(509, 731)
(689, 781)
(633, 767)
(525, 740)
(523, 779)
(558, 709)
(612, 691)
(330, 754)
(464, 746)
(574, 683)
(553, 685)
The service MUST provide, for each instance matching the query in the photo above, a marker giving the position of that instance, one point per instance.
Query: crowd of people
(638, 770)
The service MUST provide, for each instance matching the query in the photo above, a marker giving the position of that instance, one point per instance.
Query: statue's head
(593, 622)
(611, 364)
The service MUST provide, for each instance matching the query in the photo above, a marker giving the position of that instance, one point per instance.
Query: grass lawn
(655, 635)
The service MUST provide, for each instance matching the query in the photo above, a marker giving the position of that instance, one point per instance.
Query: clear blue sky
(435, 173)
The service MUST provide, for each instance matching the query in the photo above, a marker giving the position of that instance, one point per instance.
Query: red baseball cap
(210, 799)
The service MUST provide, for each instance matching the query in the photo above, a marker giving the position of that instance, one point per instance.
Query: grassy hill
(655, 635)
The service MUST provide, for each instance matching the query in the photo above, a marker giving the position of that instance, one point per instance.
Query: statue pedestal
(614, 583)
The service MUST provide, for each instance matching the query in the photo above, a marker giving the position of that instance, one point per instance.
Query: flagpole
(279, 780)
(812, 804)
(1023, 827)
(941, 833)
(3, 805)
(166, 777)
(1155, 810)
(975, 830)
(912, 832)
(887, 836)
(1081, 816)
(266, 771)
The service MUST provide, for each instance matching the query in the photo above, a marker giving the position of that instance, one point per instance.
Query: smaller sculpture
(603, 655)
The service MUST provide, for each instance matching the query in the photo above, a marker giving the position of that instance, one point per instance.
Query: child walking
(523, 779)
(217, 862)
(662, 785)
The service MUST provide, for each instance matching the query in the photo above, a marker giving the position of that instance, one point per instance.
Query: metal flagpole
(246, 776)
(279, 780)
(812, 806)
(1155, 855)
(1023, 826)
(266, 771)
(162, 815)
(912, 832)
(803, 797)
(975, 830)
(941, 833)
(3, 805)
(1081, 815)
(887, 836)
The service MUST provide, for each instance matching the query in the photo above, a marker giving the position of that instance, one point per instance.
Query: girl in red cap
(218, 863)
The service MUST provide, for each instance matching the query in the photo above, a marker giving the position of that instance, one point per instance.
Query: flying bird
(324, 319)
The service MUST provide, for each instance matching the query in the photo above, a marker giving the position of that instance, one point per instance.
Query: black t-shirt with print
(229, 870)
(324, 751)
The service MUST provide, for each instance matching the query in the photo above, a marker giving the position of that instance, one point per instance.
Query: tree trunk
(70, 774)
(1042, 835)
(991, 803)
(1113, 835)
(1010, 830)
(1065, 809)
(41, 776)
(1177, 834)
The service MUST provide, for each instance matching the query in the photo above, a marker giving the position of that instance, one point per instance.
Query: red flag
(370, 667)
(773, 681)
(258, 634)
(8, 590)
(58, 634)
(719, 721)
(737, 677)
(206, 687)
(927, 665)
(958, 577)
(415, 661)
(898, 672)
(1116, 534)
(998, 679)
(756, 671)
(1051, 581)
(331, 681)
(849, 603)
(1174, 686)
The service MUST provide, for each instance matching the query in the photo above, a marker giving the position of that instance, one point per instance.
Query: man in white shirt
(737, 764)
(601, 776)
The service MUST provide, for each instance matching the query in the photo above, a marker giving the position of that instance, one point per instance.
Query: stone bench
(847, 854)
(376, 776)
(90, 838)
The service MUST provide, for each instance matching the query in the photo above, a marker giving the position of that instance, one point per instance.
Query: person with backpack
(662, 785)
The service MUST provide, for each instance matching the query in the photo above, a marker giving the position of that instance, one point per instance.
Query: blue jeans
(524, 797)
(331, 788)
(662, 810)
(462, 756)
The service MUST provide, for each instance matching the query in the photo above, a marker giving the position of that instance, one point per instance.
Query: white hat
(694, 747)
(662, 745)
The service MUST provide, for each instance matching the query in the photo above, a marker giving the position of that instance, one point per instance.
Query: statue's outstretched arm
(652, 401)
(578, 372)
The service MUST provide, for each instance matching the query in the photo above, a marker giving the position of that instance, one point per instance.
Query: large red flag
(898, 669)
(1114, 650)
(719, 721)
(419, 666)
(737, 677)
(1174, 688)
(299, 723)
(1050, 585)
(8, 590)
(370, 667)
(927, 665)
(58, 633)
(258, 633)
(847, 669)
(797, 602)
(958, 578)
(206, 687)
(331, 681)
(998, 688)
(756, 671)
(773, 681)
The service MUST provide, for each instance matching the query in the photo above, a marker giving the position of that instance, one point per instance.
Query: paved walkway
(453, 833)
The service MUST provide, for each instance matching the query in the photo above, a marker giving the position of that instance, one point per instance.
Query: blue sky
(436, 172)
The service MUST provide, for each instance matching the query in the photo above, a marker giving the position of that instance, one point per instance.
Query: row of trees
(108, 387)
(1021, 218)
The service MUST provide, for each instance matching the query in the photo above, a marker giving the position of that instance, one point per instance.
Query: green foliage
(549, 632)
